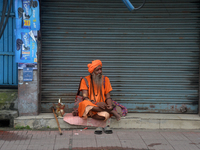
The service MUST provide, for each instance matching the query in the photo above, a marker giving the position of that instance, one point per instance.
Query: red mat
(76, 120)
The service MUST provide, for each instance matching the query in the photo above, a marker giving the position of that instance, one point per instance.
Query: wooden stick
(57, 121)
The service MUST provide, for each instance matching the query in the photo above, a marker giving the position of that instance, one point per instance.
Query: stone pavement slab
(183, 145)
(122, 139)
(135, 144)
(158, 144)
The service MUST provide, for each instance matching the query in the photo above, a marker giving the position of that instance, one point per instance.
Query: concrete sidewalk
(125, 139)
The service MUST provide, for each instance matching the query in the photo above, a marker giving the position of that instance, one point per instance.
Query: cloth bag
(121, 110)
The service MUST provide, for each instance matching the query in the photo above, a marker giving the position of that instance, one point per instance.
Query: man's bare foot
(117, 116)
(96, 116)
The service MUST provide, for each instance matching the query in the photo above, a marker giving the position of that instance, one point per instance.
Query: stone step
(131, 121)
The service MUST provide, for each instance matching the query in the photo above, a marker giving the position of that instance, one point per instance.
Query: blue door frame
(8, 66)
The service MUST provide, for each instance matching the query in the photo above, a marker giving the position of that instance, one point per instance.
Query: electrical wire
(7, 17)
(3, 13)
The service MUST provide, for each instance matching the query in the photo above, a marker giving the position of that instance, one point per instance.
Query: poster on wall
(28, 74)
(26, 47)
(27, 25)
(27, 14)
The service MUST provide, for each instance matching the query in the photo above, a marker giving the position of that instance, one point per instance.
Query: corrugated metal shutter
(151, 56)
(8, 66)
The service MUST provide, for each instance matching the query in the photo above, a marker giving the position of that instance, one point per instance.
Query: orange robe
(85, 103)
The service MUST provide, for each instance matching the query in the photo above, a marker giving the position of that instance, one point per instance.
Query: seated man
(97, 102)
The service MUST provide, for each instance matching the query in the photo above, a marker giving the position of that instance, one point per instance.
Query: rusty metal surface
(151, 56)
(39, 65)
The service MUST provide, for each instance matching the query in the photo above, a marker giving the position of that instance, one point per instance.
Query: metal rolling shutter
(151, 56)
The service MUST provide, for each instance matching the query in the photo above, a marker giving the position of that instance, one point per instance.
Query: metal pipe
(131, 7)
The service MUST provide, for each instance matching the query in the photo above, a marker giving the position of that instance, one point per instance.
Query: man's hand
(109, 102)
(109, 107)
(102, 105)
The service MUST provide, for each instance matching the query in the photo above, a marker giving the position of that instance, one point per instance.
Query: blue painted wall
(8, 67)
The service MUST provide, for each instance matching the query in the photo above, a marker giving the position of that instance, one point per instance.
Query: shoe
(107, 130)
(98, 130)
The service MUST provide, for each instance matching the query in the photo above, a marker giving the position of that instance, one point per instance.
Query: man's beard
(97, 80)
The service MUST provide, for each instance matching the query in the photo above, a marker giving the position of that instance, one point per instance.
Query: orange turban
(93, 65)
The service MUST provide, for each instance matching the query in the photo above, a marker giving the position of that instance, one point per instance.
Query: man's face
(98, 70)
